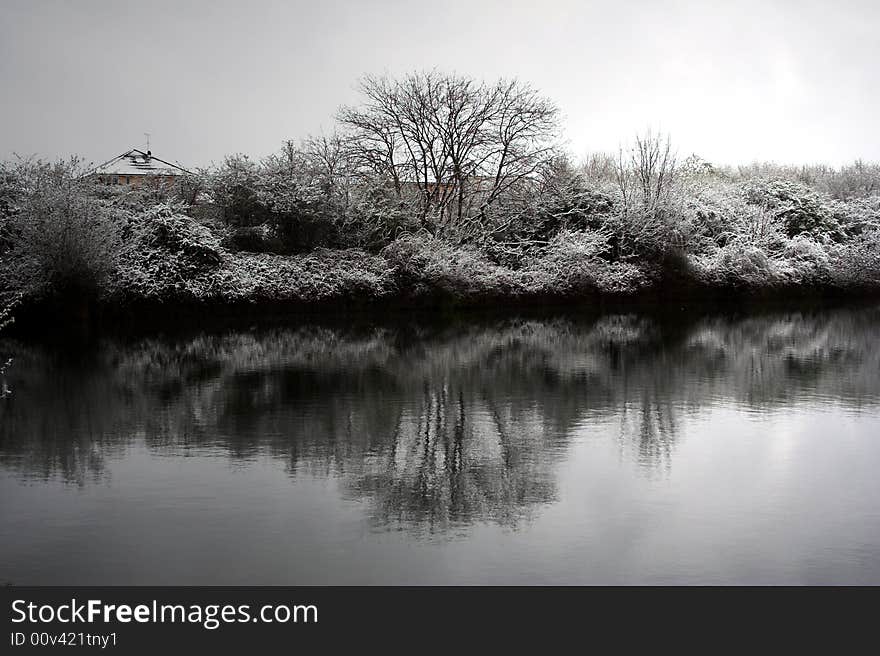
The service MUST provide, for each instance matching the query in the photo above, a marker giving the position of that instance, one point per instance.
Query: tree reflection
(453, 459)
(434, 427)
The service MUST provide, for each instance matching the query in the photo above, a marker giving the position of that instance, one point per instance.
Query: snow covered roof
(138, 162)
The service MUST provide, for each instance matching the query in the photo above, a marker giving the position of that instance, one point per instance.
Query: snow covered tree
(456, 143)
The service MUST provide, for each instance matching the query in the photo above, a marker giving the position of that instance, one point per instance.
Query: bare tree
(644, 176)
(328, 157)
(646, 173)
(456, 143)
(599, 168)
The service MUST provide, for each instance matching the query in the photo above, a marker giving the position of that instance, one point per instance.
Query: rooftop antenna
(147, 135)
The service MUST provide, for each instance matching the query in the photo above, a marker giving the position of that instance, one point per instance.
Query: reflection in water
(435, 428)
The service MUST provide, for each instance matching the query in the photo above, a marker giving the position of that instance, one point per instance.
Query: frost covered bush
(165, 256)
(234, 189)
(856, 265)
(375, 216)
(170, 257)
(709, 211)
(808, 260)
(57, 238)
(559, 198)
(11, 189)
(572, 263)
(859, 215)
(161, 227)
(319, 276)
(800, 208)
(756, 226)
(289, 195)
(427, 265)
(856, 180)
(739, 265)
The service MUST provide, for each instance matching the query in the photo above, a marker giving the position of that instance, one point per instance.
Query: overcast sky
(732, 81)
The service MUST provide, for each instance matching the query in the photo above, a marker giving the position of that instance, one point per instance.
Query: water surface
(616, 449)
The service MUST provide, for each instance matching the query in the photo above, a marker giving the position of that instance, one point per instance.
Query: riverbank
(79, 316)
(75, 254)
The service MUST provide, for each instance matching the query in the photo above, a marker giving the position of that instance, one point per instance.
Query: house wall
(135, 180)
(141, 180)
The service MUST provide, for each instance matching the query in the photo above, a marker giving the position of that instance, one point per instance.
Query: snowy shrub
(757, 226)
(320, 276)
(709, 211)
(59, 239)
(375, 216)
(857, 180)
(560, 198)
(800, 208)
(234, 189)
(808, 260)
(161, 227)
(164, 256)
(11, 189)
(169, 257)
(859, 215)
(739, 264)
(428, 265)
(287, 194)
(856, 265)
(572, 263)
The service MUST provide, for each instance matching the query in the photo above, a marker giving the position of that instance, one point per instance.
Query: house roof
(137, 162)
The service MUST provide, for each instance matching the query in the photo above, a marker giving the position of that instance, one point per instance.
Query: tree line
(439, 184)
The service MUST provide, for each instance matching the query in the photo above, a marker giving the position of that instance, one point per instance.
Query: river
(615, 449)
